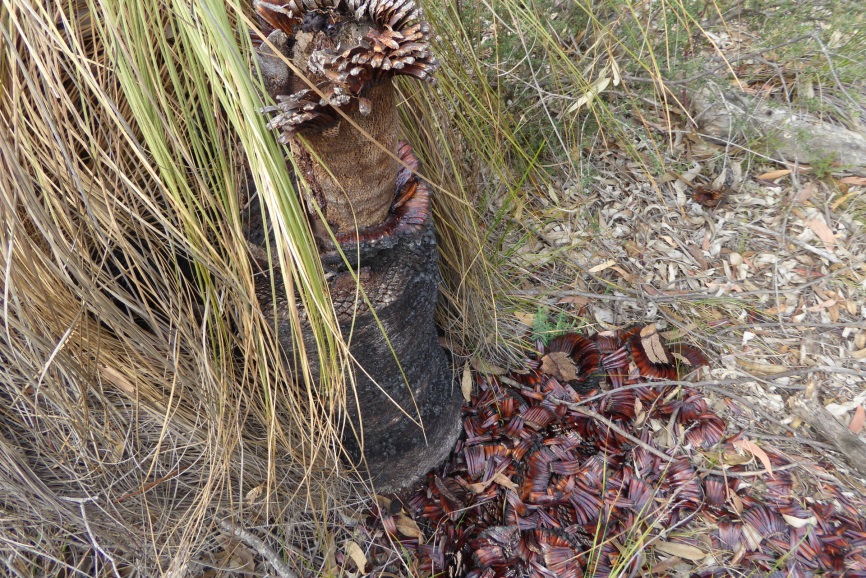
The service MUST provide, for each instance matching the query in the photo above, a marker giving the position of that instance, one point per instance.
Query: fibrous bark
(353, 190)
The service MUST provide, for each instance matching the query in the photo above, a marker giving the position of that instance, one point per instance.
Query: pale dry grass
(144, 397)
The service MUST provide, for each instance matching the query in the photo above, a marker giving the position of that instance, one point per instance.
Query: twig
(807, 407)
(768, 379)
(791, 324)
(148, 486)
(597, 416)
(644, 297)
(638, 442)
(664, 383)
(259, 546)
(757, 409)
(787, 238)
(834, 369)
(731, 474)
(798, 439)
(832, 68)
(81, 502)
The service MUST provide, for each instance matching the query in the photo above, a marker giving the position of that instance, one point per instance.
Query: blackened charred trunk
(407, 414)
(409, 411)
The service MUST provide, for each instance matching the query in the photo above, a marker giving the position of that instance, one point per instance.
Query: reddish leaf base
(535, 488)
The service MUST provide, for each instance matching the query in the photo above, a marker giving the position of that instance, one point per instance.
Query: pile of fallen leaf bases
(591, 462)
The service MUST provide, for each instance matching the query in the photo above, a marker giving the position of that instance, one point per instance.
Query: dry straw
(143, 397)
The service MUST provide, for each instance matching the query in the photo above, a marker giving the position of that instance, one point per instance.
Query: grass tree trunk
(340, 121)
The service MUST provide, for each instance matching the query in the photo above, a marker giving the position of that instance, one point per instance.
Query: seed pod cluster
(354, 45)
(538, 488)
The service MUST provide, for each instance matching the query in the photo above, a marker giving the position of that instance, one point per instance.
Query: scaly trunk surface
(354, 185)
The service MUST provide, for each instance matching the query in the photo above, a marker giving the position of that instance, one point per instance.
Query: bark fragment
(728, 116)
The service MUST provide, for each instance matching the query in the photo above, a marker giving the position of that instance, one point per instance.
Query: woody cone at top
(364, 185)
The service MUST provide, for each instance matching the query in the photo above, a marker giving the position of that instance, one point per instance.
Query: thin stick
(731, 474)
(148, 486)
(791, 324)
(787, 238)
(752, 406)
(606, 297)
(259, 546)
(81, 503)
(597, 416)
(798, 439)
(654, 451)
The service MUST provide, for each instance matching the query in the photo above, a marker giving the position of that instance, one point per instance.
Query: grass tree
(146, 405)
(330, 64)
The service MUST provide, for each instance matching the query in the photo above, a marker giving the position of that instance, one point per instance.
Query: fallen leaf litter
(556, 477)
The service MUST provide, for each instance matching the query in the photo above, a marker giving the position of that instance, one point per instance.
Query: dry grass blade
(138, 378)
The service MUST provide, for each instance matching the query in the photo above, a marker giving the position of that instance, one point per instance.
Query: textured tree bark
(408, 410)
(354, 186)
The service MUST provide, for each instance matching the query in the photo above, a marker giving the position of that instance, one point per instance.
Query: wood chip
(805, 193)
(602, 267)
(408, 527)
(753, 537)
(117, 379)
(466, 383)
(856, 425)
(765, 368)
(772, 175)
(485, 367)
(527, 319)
(824, 233)
(755, 450)
(800, 522)
(652, 344)
(357, 555)
(505, 481)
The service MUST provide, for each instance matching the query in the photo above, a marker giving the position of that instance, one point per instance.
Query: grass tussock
(143, 396)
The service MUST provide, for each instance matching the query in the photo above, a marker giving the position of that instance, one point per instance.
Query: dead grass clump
(144, 400)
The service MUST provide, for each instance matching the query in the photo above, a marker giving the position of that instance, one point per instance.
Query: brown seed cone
(344, 49)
